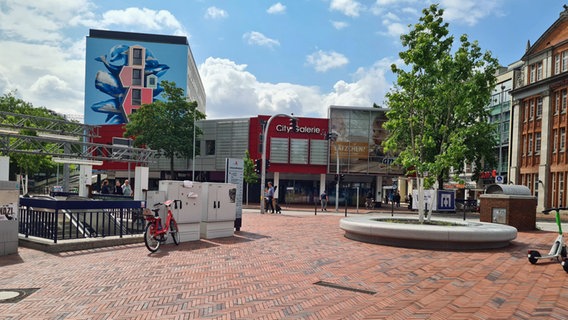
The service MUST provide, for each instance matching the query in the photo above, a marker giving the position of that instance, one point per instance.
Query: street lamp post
(332, 136)
(263, 169)
(499, 166)
(193, 159)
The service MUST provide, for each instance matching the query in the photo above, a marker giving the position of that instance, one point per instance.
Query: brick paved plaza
(269, 270)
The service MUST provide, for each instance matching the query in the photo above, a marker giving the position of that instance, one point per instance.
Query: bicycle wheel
(174, 231)
(151, 243)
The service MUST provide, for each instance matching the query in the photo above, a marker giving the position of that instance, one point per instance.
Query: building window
(564, 61)
(562, 139)
(539, 107)
(564, 101)
(299, 151)
(532, 75)
(531, 112)
(561, 188)
(557, 64)
(554, 198)
(526, 111)
(136, 97)
(556, 102)
(539, 71)
(530, 144)
(137, 56)
(555, 142)
(537, 143)
(209, 147)
(136, 77)
(524, 145)
(279, 150)
(319, 150)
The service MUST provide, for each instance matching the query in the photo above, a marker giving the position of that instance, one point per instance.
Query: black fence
(76, 219)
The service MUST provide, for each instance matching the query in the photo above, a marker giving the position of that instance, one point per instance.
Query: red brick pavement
(268, 271)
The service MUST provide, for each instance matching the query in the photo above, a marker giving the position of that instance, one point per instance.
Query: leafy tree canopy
(438, 117)
(166, 126)
(22, 162)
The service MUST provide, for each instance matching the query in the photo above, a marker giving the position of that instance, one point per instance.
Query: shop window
(209, 147)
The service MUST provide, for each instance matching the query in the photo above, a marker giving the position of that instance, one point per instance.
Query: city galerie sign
(307, 130)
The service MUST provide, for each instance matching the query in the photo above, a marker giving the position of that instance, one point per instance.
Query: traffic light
(258, 165)
(293, 124)
(267, 164)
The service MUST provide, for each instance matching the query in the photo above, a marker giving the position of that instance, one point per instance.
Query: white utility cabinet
(9, 204)
(188, 213)
(219, 210)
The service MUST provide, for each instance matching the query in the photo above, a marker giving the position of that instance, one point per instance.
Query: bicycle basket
(148, 214)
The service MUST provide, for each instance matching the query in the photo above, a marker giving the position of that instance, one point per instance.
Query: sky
(255, 57)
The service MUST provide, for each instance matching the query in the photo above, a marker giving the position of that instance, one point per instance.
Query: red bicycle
(154, 233)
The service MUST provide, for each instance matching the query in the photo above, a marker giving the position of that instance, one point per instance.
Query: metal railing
(76, 219)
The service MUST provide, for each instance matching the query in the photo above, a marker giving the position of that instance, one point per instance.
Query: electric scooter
(558, 250)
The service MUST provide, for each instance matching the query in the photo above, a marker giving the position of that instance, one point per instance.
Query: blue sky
(254, 57)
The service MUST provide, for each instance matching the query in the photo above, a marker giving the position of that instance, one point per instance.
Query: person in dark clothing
(105, 189)
(117, 188)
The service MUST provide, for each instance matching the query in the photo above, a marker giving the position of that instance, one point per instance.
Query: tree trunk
(172, 172)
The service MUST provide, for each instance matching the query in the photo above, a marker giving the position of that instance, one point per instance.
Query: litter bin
(513, 205)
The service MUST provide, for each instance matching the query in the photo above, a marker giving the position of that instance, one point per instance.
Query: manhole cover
(15, 295)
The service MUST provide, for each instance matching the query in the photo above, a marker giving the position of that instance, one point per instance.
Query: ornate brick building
(539, 158)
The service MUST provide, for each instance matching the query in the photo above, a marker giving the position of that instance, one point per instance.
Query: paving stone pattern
(269, 271)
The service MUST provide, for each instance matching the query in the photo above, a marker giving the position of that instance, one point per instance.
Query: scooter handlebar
(547, 211)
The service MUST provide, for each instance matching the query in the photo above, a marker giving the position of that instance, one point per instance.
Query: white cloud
(350, 8)
(395, 29)
(277, 8)
(369, 86)
(37, 20)
(468, 12)
(52, 80)
(259, 39)
(215, 13)
(232, 91)
(142, 19)
(339, 24)
(324, 61)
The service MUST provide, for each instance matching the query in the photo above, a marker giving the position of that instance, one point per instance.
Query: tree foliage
(24, 163)
(438, 117)
(166, 126)
(249, 175)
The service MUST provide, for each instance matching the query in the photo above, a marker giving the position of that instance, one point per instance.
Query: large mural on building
(121, 76)
(360, 134)
(130, 80)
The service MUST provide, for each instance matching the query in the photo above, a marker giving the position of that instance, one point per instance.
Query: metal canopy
(63, 139)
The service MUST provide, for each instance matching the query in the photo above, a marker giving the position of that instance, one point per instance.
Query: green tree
(249, 175)
(438, 118)
(27, 164)
(166, 125)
